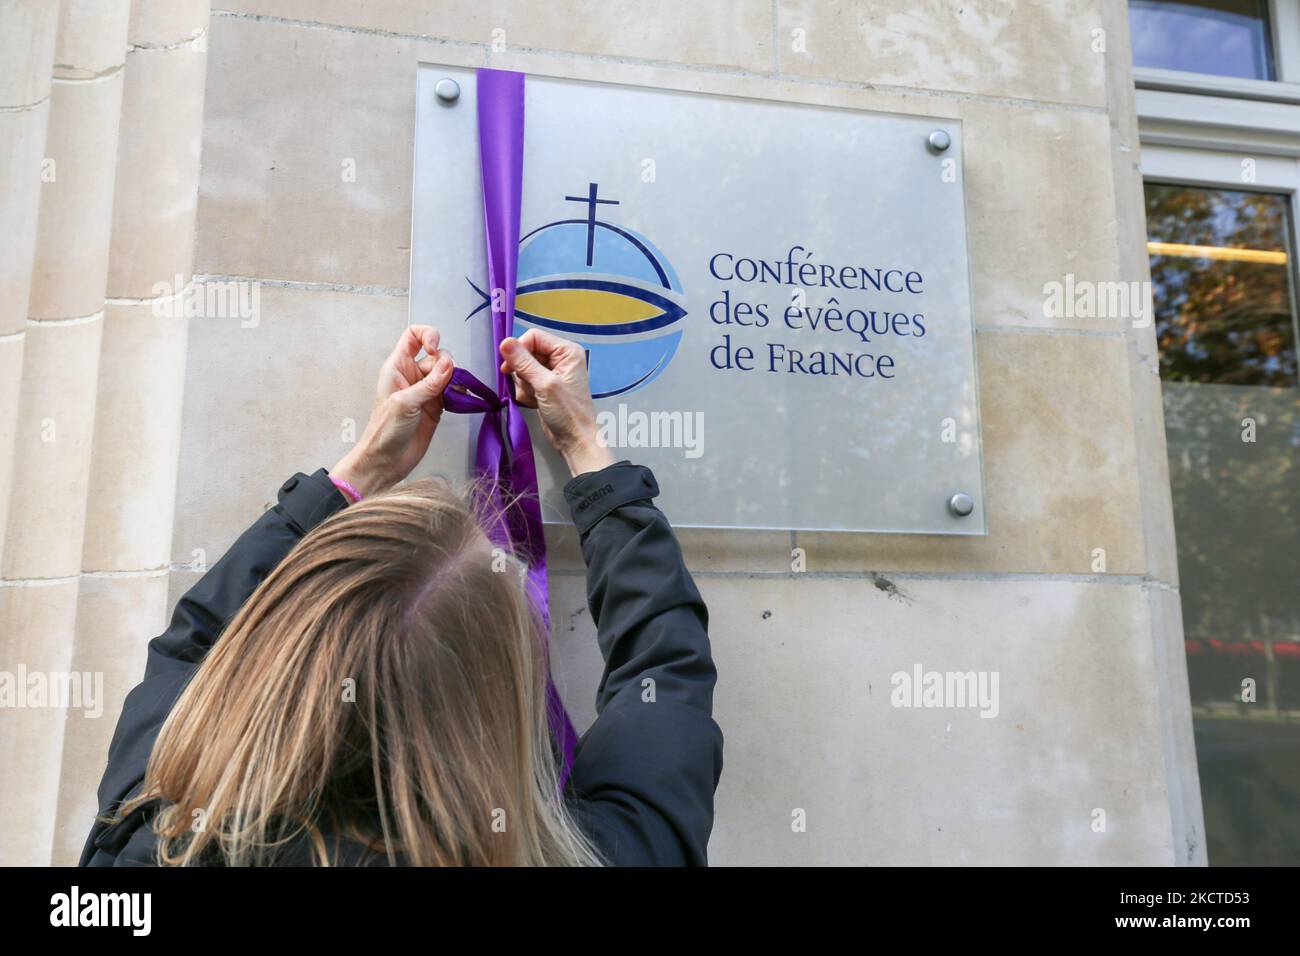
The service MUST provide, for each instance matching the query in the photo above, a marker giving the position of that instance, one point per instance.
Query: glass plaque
(774, 298)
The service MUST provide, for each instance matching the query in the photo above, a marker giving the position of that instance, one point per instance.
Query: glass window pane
(1232, 424)
(1221, 274)
(1223, 37)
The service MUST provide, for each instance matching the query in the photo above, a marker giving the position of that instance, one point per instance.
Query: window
(1221, 280)
(1223, 37)
(1223, 283)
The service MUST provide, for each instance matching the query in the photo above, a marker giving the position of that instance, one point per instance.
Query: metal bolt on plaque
(447, 90)
(961, 504)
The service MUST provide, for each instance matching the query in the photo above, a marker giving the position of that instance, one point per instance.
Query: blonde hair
(441, 756)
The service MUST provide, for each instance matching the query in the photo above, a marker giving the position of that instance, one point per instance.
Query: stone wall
(104, 98)
(106, 524)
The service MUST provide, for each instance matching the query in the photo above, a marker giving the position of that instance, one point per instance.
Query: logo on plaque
(604, 285)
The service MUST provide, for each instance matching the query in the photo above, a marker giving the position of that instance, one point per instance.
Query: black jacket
(644, 775)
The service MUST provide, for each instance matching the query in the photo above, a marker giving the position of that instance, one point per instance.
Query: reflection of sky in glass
(1222, 37)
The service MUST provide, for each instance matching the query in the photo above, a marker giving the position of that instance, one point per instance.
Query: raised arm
(200, 615)
(648, 767)
(408, 404)
(644, 774)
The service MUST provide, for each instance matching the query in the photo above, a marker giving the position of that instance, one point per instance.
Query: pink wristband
(348, 491)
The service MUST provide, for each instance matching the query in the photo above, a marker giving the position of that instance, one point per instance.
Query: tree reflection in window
(1221, 278)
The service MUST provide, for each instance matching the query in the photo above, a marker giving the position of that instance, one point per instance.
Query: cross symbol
(591, 201)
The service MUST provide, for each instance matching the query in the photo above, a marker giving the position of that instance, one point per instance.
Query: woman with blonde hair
(356, 682)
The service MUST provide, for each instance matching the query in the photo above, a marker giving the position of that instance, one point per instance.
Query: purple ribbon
(504, 453)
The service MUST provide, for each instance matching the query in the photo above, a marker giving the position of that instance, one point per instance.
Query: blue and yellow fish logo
(604, 286)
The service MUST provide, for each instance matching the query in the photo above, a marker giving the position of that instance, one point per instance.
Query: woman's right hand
(551, 375)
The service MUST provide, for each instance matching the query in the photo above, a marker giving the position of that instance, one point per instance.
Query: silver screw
(961, 504)
(939, 140)
(447, 90)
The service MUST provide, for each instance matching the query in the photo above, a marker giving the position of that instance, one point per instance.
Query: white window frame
(1225, 133)
(1222, 169)
(1253, 117)
(1219, 169)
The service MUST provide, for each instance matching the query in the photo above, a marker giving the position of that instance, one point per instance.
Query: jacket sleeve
(644, 774)
(200, 616)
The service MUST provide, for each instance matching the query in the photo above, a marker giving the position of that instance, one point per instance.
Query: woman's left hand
(408, 405)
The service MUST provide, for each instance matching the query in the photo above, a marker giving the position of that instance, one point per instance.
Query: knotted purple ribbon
(504, 453)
